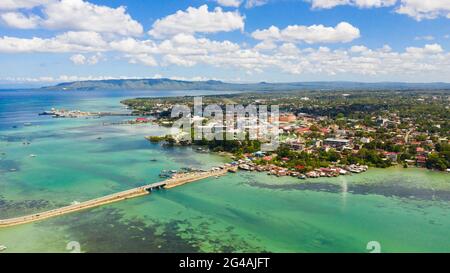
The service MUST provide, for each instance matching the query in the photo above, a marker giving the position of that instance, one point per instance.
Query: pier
(176, 180)
(62, 113)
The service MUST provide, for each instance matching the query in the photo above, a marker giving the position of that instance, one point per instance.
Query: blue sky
(43, 42)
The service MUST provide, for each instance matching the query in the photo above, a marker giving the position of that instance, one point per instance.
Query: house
(391, 156)
(421, 160)
(302, 131)
(336, 143)
(259, 154)
(381, 121)
(324, 131)
(142, 120)
(288, 118)
(296, 145)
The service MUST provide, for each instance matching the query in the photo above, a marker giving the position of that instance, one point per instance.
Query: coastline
(229, 213)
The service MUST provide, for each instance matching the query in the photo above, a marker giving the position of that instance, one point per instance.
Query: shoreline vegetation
(328, 131)
(246, 156)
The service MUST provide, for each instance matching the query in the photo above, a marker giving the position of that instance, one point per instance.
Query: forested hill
(168, 84)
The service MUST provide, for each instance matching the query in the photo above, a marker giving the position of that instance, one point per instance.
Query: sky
(44, 42)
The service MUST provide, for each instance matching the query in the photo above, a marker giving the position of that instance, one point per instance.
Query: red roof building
(142, 120)
(302, 130)
(420, 150)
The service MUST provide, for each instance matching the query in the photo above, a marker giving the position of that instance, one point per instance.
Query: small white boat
(33, 155)
(2, 248)
(302, 176)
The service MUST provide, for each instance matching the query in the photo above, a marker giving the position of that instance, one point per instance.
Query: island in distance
(169, 84)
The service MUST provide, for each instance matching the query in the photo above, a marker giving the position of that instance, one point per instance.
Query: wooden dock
(177, 180)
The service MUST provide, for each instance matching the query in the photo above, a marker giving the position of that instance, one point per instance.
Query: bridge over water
(177, 180)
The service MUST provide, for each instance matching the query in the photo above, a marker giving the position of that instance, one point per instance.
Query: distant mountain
(168, 84)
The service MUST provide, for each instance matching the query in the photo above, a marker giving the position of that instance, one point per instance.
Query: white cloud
(342, 33)
(78, 59)
(142, 58)
(183, 44)
(229, 3)
(62, 78)
(20, 20)
(131, 45)
(74, 78)
(87, 39)
(178, 45)
(265, 45)
(427, 49)
(21, 4)
(67, 42)
(94, 59)
(186, 50)
(381, 63)
(77, 15)
(426, 38)
(425, 9)
(327, 4)
(255, 3)
(177, 60)
(81, 15)
(358, 49)
(418, 9)
(360, 60)
(197, 20)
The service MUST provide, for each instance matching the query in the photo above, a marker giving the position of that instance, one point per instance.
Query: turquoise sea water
(404, 210)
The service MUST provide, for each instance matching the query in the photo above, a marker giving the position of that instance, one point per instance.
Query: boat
(46, 113)
(27, 124)
(33, 155)
(2, 248)
(244, 167)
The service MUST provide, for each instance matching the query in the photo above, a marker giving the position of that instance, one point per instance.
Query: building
(421, 160)
(391, 156)
(288, 118)
(302, 130)
(142, 120)
(336, 143)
